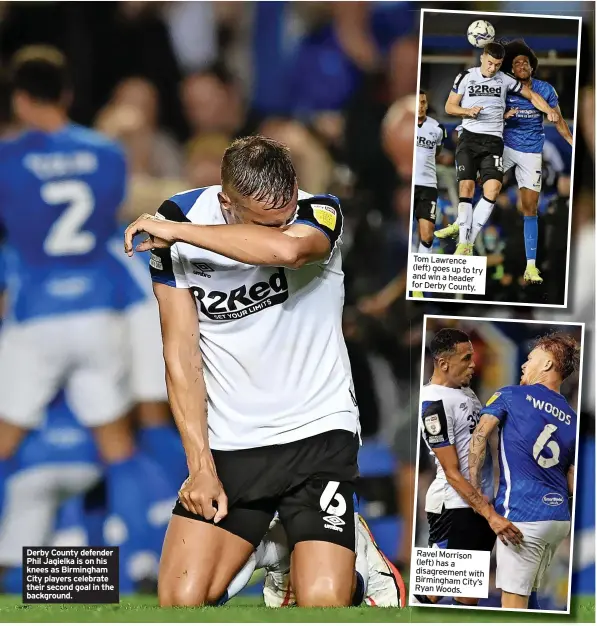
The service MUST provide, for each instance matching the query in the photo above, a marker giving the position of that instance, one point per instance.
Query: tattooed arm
(478, 447)
(503, 528)
(448, 459)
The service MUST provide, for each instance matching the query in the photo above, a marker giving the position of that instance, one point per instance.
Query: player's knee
(491, 190)
(179, 595)
(324, 593)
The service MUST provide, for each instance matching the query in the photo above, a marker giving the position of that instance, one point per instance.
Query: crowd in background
(174, 82)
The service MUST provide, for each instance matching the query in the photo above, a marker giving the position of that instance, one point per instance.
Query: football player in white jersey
(260, 386)
(479, 98)
(430, 138)
(460, 516)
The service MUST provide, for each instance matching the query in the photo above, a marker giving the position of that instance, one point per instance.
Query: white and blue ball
(480, 33)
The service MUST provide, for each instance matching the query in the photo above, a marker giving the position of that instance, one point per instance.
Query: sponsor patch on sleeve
(325, 215)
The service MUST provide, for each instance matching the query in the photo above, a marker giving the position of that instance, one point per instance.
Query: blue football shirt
(59, 197)
(537, 444)
(524, 132)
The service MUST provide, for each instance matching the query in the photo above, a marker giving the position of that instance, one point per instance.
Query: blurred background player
(61, 186)
(430, 138)
(524, 139)
(460, 516)
(482, 91)
(537, 451)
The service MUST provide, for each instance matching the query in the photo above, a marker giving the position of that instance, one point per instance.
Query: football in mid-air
(480, 33)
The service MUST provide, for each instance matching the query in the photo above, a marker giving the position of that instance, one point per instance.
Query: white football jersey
(449, 417)
(275, 362)
(430, 135)
(489, 93)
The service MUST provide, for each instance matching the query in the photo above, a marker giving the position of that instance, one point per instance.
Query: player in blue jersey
(60, 189)
(537, 448)
(524, 137)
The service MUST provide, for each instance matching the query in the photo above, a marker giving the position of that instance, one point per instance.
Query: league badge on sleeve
(325, 215)
(432, 424)
(493, 398)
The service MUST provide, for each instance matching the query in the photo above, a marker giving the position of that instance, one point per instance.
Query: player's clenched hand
(200, 491)
(553, 117)
(505, 529)
(473, 112)
(161, 233)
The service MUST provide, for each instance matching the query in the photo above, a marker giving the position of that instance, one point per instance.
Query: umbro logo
(334, 522)
(202, 269)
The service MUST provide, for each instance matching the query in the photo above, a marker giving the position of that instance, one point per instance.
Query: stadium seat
(377, 465)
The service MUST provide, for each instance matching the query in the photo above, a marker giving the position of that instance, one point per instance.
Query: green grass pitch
(251, 609)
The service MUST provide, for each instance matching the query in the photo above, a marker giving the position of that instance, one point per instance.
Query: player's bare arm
(539, 103)
(563, 128)
(453, 107)
(254, 244)
(478, 447)
(188, 400)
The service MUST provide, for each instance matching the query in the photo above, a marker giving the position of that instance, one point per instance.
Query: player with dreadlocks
(524, 137)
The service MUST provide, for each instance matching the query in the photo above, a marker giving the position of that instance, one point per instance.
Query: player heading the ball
(479, 97)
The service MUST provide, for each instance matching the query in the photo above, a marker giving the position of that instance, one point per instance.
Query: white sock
(271, 552)
(361, 563)
(241, 580)
(531, 262)
(481, 214)
(424, 248)
(465, 218)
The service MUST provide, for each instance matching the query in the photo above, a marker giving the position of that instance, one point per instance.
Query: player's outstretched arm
(478, 447)
(188, 400)
(539, 103)
(563, 128)
(453, 107)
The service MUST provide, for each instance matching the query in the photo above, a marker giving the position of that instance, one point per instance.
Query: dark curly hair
(565, 351)
(516, 48)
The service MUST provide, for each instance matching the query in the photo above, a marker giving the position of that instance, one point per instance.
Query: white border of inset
(573, 517)
(575, 131)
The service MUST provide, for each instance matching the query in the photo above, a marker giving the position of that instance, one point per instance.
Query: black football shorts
(460, 529)
(311, 483)
(477, 153)
(425, 203)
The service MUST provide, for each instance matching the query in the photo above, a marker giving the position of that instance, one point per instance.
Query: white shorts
(31, 503)
(520, 569)
(84, 353)
(148, 375)
(528, 168)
